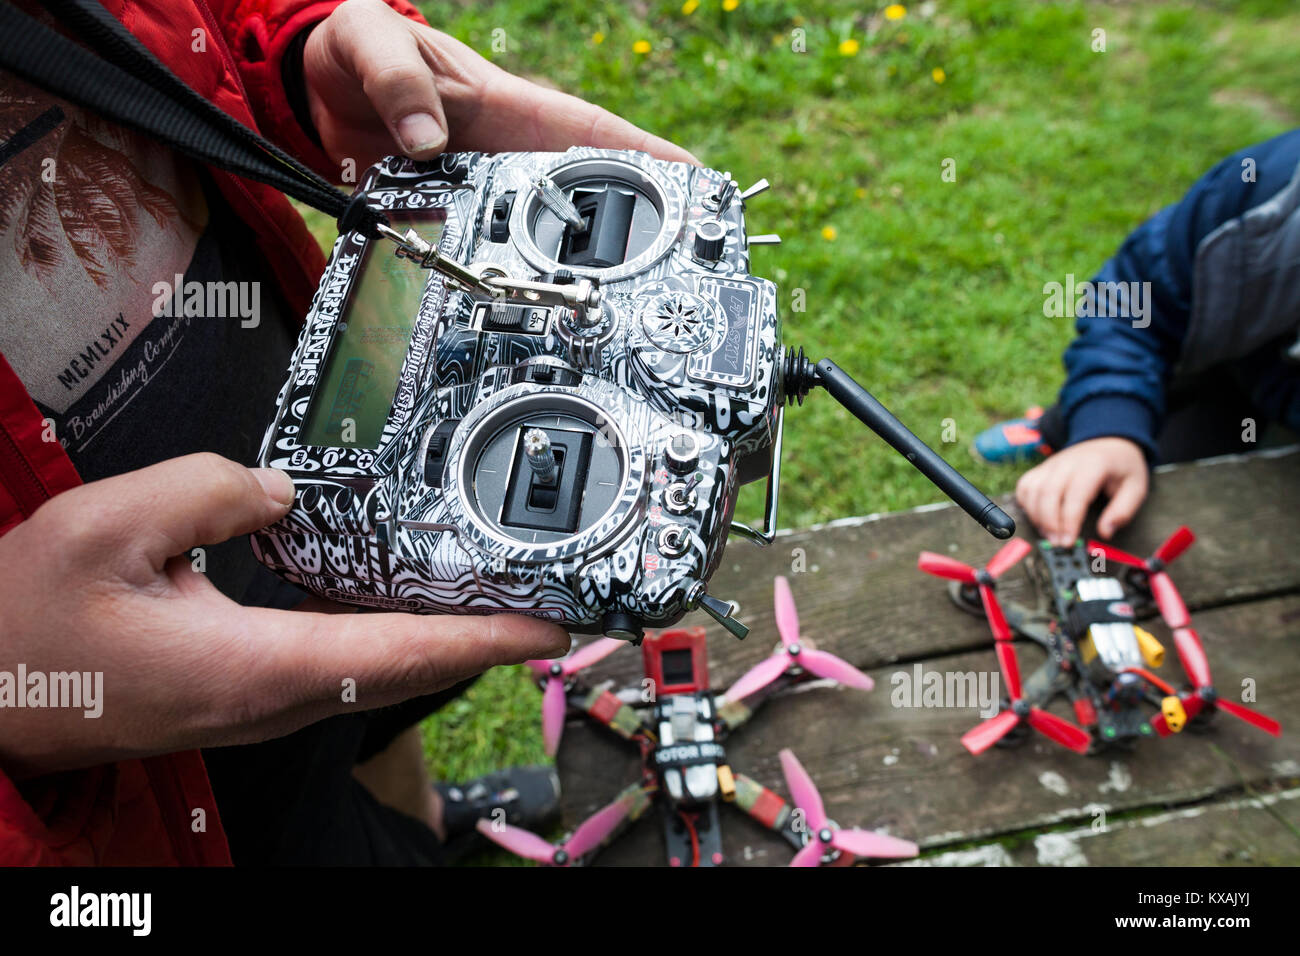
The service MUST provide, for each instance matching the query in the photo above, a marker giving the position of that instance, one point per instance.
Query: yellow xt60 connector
(1175, 716)
(1153, 652)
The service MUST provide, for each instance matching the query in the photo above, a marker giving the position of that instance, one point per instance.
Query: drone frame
(1064, 673)
(800, 826)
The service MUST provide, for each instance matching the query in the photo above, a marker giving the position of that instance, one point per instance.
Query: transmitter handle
(880, 420)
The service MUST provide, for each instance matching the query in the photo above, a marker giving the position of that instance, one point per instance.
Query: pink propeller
(591, 833)
(827, 836)
(556, 675)
(792, 653)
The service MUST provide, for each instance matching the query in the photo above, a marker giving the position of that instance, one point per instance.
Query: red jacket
(141, 811)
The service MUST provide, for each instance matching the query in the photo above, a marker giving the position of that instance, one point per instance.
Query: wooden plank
(903, 768)
(862, 597)
(1252, 831)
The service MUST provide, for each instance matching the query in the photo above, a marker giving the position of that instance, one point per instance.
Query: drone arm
(765, 806)
(735, 713)
(632, 801)
(606, 709)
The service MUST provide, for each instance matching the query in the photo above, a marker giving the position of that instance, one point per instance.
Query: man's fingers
(384, 55)
(551, 120)
(1063, 499)
(495, 111)
(1124, 503)
(307, 656)
(168, 508)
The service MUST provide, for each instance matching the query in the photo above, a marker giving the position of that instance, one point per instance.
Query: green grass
(930, 291)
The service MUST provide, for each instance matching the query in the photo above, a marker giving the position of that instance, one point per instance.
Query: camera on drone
(546, 401)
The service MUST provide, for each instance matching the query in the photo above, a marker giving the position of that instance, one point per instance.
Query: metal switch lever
(721, 611)
(761, 186)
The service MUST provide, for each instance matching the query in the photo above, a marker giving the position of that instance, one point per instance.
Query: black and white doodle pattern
(367, 529)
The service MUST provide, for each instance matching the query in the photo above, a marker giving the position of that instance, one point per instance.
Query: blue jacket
(1223, 265)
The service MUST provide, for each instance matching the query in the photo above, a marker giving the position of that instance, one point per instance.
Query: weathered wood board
(1246, 831)
(903, 768)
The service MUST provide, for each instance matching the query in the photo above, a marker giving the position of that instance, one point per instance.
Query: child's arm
(1117, 368)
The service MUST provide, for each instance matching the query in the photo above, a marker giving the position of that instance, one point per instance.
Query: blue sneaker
(1017, 441)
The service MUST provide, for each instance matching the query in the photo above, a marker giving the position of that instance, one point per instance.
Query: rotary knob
(683, 453)
(710, 240)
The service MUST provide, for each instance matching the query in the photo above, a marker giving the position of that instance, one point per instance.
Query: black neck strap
(120, 79)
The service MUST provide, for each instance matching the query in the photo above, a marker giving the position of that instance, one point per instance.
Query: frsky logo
(74, 908)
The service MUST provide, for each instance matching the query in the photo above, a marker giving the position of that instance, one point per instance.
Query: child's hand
(1057, 493)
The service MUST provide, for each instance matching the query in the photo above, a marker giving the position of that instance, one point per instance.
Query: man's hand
(1057, 493)
(378, 83)
(100, 579)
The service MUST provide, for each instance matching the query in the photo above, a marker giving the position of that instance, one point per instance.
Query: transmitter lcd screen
(355, 392)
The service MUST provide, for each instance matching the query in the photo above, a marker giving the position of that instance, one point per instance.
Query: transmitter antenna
(800, 377)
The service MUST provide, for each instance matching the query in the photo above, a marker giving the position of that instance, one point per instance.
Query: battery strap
(120, 79)
(1083, 614)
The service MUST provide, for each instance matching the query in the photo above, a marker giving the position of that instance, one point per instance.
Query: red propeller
(1162, 587)
(1188, 643)
(984, 736)
(556, 674)
(985, 578)
(1203, 694)
(794, 652)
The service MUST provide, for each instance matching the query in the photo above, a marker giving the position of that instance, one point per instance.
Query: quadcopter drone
(680, 732)
(1097, 656)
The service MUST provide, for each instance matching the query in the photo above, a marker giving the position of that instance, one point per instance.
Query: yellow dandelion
(690, 6)
(860, 193)
(829, 233)
(849, 47)
(938, 75)
(641, 47)
(598, 38)
(730, 5)
(895, 11)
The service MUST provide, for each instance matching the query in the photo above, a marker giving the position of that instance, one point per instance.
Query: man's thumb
(199, 499)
